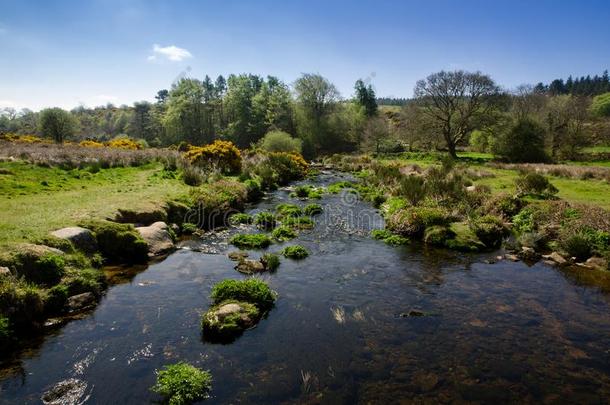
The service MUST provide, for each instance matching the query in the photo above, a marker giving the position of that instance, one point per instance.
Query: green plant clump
(241, 218)
(305, 192)
(265, 220)
(298, 222)
(490, 230)
(413, 221)
(283, 233)
(251, 241)
(288, 210)
(312, 209)
(535, 184)
(224, 322)
(296, 252)
(271, 261)
(251, 290)
(182, 384)
(438, 235)
(118, 242)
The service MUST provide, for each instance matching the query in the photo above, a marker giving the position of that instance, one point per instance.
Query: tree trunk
(451, 147)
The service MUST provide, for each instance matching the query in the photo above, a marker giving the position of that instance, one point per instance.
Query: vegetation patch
(388, 237)
(251, 290)
(413, 221)
(312, 209)
(438, 235)
(251, 241)
(490, 230)
(182, 384)
(464, 240)
(118, 243)
(535, 184)
(295, 252)
(227, 320)
(241, 218)
(265, 220)
(283, 233)
(298, 222)
(306, 192)
(288, 210)
(270, 261)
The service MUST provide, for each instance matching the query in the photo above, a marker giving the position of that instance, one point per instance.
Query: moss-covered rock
(251, 290)
(35, 263)
(490, 230)
(144, 216)
(295, 252)
(465, 239)
(283, 233)
(271, 261)
(312, 209)
(413, 221)
(227, 320)
(288, 210)
(251, 241)
(118, 243)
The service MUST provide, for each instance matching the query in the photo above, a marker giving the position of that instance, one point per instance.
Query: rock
(556, 258)
(226, 321)
(4, 271)
(158, 238)
(529, 254)
(248, 266)
(81, 301)
(597, 263)
(81, 238)
(237, 255)
(413, 313)
(67, 392)
(145, 216)
(511, 257)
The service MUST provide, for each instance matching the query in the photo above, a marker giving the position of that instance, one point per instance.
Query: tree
(376, 131)
(527, 102)
(600, 106)
(141, 121)
(185, 118)
(523, 142)
(56, 123)
(565, 119)
(365, 96)
(316, 100)
(278, 141)
(454, 101)
(162, 96)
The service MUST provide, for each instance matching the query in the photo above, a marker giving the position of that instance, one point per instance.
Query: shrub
(535, 184)
(312, 209)
(265, 220)
(478, 141)
(412, 188)
(524, 142)
(21, 301)
(283, 233)
(279, 141)
(296, 252)
(576, 245)
(192, 175)
(221, 155)
(413, 221)
(490, 230)
(305, 192)
(271, 261)
(288, 166)
(288, 210)
(241, 218)
(438, 235)
(524, 221)
(124, 143)
(393, 204)
(91, 144)
(219, 198)
(600, 106)
(298, 222)
(49, 269)
(253, 190)
(251, 290)
(505, 205)
(118, 242)
(82, 281)
(182, 384)
(251, 241)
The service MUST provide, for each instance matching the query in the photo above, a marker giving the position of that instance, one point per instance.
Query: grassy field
(35, 200)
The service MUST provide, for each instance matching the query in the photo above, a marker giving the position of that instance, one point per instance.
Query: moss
(335, 188)
(296, 252)
(189, 228)
(224, 328)
(22, 302)
(5, 332)
(576, 245)
(251, 241)
(393, 204)
(464, 240)
(265, 220)
(241, 218)
(490, 230)
(380, 234)
(271, 261)
(79, 281)
(413, 221)
(396, 240)
(35, 263)
(283, 233)
(251, 290)
(288, 210)
(312, 209)
(119, 243)
(298, 222)
(58, 243)
(182, 384)
(438, 235)
(56, 299)
(306, 192)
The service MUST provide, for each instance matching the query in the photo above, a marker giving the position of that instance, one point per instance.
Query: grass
(251, 290)
(251, 241)
(36, 200)
(295, 252)
(182, 384)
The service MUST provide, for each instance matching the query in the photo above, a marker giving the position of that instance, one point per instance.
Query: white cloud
(171, 52)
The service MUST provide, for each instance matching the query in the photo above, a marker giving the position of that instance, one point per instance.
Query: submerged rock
(556, 258)
(81, 238)
(249, 266)
(597, 263)
(529, 254)
(237, 255)
(67, 392)
(158, 238)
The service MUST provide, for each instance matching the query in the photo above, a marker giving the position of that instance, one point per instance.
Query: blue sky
(63, 53)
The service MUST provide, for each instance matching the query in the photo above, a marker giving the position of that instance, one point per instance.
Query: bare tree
(528, 103)
(455, 101)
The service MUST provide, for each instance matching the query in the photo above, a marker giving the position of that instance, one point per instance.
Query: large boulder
(158, 238)
(142, 216)
(81, 238)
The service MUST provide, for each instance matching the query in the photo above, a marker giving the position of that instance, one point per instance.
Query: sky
(68, 53)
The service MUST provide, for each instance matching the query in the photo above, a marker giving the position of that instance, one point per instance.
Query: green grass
(597, 149)
(36, 200)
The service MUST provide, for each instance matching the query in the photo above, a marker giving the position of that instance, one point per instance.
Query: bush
(219, 198)
(413, 221)
(241, 218)
(82, 281)
(271, 261)
(600, 106)
(124, 143)
(48, 269)
(490, 230)
(118, 242)
(524, 142)
(288, 166)
(221, 155)
(288, 210)
(505, 205)
(576, 245)
(265, 220)
(478, 141)
(535, 184)
(296, 252)
(524, 221)
(182, 384)
(438, 235)
(412, 188)
(312, 209)
(279, 141)
(253, 190)
(250, 241)
(305, 192)
(283, 233)
(22, 302)
(251, 290)
(91, 144)
(192, 175)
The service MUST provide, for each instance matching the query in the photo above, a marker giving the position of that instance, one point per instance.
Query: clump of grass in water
(251, 241)
(312, 209)
(298, 222)
(305, 192)
(388, 237)
(182, 384)
(271, 261)
(240, 218)
(288, 210)
(265, 220)
(296, 252)
(283, 233)
(251, 290)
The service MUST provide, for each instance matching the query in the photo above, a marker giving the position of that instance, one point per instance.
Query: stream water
(340, 331)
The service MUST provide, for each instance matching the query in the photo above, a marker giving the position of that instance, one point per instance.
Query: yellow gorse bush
(23, 138)
(91, 144)
(223, 155)
(124, 143)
